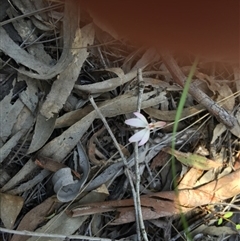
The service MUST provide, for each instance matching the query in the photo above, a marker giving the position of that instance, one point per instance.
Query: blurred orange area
(209, 29)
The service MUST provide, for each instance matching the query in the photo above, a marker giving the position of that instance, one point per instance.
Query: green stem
(177, 118)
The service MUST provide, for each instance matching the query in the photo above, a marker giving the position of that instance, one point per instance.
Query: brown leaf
(164, 204)
(160, 160)
(92, 150)
(190, 178)
(35, 217)
(10, 206)
(193, 160)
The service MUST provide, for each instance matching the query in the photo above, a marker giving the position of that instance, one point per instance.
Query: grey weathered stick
(222, 115)
(138, 210)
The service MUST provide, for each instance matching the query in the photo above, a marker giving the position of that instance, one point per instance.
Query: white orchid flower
(143, 135)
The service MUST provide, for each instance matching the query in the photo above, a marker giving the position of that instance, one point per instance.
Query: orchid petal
(138, 136)
(141, 117)
(144, 138)
(135, 122)
(159, 124)
(156, 125)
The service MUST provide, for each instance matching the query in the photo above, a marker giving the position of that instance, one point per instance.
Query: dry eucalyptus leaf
(23, 122)
(29, 97)
(219, 231)
(60, 147)
(64, 224)
(170, 115)
(9, 114)
(72, 117)
(43, 130)
(35, 217)
(18, 117)
(207, 177)
(107, 85)
(162, 204)
(193, 160)
(26, 170)
(11, 143)
(218, 131)
(116, 169)
(190, 178)
(10, 48)
(113, 83)
(10, 206)
(70, 25)
(225, 91)
(237, 78)
(4, 177)
(236, 129)
(64, 84)
(65, 186)
(148, 57)
(118, 71)
(24, 29)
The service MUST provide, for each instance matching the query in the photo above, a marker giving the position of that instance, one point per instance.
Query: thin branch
(222, 115)
(50, 235)
(127, 172)
(138, 209)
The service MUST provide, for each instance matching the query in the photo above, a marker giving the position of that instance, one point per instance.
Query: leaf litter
(61, 174)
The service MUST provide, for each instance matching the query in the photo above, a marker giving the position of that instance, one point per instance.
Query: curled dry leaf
(92, 150)
(64, 185)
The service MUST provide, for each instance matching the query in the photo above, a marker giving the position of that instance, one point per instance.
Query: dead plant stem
(138, 209)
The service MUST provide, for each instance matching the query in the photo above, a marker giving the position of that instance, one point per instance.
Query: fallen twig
(138, 210)
(50, 235)
(222, 115)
